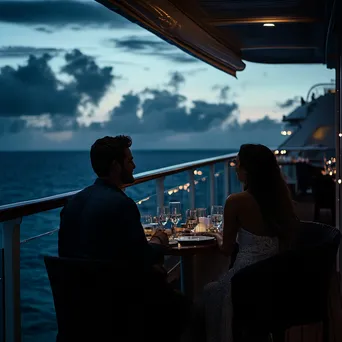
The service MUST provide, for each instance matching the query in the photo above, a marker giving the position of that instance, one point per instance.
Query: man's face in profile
(128, 167)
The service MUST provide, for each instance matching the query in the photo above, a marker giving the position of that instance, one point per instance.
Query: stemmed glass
(201, 212)
(175, 212)
(191, 218)
(217, 216)
(163, 215)
(146, 220)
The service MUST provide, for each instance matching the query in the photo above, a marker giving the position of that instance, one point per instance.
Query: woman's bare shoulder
(239, 198)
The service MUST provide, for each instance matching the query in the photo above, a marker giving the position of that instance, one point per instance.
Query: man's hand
(160, 237)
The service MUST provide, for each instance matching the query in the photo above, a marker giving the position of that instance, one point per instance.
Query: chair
(286, 290)
(100, 301)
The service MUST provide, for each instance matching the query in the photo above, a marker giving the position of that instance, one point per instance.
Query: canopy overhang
(223, 33)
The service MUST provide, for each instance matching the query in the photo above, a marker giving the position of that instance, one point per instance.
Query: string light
(329, 166)
(184, 187)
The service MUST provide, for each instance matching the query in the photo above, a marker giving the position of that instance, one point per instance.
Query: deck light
(268, 25)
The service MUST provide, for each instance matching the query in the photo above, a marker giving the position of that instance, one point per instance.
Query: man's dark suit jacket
(102, 222)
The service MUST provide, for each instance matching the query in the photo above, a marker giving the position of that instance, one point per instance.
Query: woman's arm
(230, 225)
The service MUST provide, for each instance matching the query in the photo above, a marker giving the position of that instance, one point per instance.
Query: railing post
(160, 191)
(192, 192)
(227, 183)
(212, 184)
(11, 274)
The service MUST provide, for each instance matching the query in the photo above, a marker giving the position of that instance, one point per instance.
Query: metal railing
(11, 216)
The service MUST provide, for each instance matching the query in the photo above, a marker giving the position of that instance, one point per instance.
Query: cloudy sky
(72, 71)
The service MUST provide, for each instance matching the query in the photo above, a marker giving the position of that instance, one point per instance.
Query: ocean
(30, 175)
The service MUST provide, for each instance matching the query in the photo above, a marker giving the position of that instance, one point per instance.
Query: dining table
(201, 262)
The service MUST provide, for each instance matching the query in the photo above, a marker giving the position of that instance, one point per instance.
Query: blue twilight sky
(72, 71)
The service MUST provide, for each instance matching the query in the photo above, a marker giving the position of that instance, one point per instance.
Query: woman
(261, 219)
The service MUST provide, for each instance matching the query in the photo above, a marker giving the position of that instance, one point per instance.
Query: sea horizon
(133, 149)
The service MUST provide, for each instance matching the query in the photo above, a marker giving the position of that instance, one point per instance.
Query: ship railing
(11, 217)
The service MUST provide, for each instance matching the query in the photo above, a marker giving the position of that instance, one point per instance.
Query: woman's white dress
(218, 309)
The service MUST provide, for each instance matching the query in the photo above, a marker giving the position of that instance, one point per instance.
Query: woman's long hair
(264, 181)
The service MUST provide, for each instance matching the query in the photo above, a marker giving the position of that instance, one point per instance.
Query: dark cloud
(176, 80)
(12, 125)
(264, 124)
(25, 51)
(33, 89)
(37, 104)
(141, 44)
(165, 111)
(223, 92)
(178, 57)
(90, 79)
(44, 30)
(123, 118)
(58, 13)
(289, 103)
(194, 72)
(151, 46)
(159, 110)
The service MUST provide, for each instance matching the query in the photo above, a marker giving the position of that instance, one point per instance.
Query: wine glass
(146, 220)
(163, 215)
(175, 212)
(191, 218)
(217, 216)
(201, 212)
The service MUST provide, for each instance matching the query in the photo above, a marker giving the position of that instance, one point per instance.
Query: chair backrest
(288, 289)
(97, 300)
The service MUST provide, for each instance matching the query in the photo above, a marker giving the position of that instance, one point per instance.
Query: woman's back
(249, 214)
(255, 242)
(254, 248)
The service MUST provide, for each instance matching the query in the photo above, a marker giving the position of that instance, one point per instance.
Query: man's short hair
(107, 149)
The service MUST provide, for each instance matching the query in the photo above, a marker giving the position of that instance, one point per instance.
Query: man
(101, 222)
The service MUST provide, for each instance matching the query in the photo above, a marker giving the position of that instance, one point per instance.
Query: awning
(223, 33)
